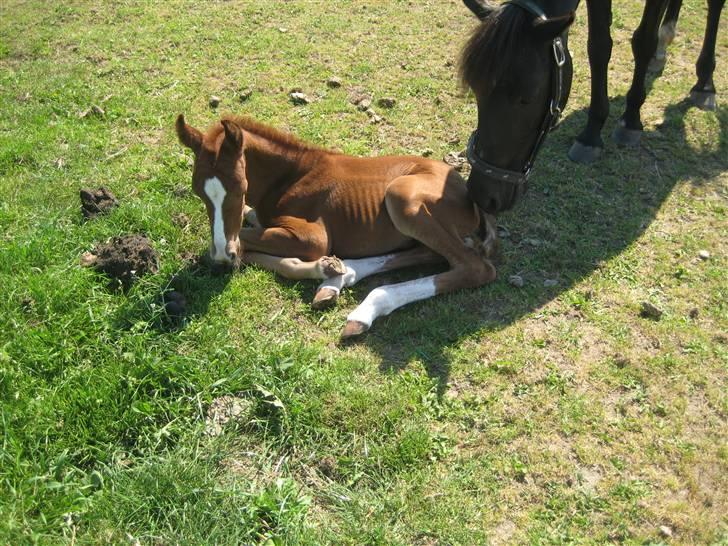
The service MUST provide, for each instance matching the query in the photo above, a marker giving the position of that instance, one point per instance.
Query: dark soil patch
(126, 258)
(95, 202)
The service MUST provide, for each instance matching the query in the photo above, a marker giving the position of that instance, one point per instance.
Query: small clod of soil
(650, 311)
(245, 94)
(357, 97)
(224, 409)
(214, 101)
(180, 219)
(333, 82)
(387, 102)
(299, 99)
(126, 258)
(364, 104)
(516, 280)
(95, 202)
(328, 466)
(175, 305)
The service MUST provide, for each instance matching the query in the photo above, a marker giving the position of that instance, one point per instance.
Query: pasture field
(504, 415)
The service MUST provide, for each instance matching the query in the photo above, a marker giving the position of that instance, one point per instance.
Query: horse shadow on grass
(197, 281)
(572, 219)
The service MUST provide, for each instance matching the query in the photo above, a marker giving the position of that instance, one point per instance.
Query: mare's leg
(703, 93)
(358, 269)
(588, 145)
(644, 44)
(665, 36)
(293, 268)
(439, 215)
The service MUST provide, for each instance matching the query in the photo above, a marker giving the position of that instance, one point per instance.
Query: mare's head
(218, 178)
(511, 65)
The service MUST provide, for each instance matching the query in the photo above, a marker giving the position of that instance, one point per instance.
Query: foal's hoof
(324, 298)
(626, 137)
(705, 100)
(353, 329)
(331, 266)
(581, 153)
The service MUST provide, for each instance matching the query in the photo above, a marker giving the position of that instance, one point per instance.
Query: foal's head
(509, 64)
(218, 178)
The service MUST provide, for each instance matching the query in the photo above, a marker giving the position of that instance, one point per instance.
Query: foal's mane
(491, 47)
(285, 140)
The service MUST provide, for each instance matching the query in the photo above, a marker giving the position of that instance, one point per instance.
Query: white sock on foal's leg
(328, 291)
(385, 299)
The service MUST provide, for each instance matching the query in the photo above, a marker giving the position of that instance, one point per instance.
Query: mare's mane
(491, 47)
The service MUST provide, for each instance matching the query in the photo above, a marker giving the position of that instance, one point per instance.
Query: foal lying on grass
(312, 204)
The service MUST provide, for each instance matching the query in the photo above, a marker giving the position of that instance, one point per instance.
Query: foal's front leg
(296, 250)
(296, 269)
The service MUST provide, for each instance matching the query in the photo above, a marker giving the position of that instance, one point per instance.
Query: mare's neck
(268, 167)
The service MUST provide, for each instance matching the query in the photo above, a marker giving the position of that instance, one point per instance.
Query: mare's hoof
(581, 153)
(705, 100)
(324, 298)
(353, 329)
(331, 266)
(656, 65)
(626, 137)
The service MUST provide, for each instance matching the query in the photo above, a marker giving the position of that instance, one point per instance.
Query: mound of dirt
(95, 202)
(124, 258)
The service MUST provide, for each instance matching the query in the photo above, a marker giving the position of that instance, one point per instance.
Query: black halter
(551, 119)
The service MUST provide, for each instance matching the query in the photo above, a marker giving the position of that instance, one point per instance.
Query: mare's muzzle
(494, 196)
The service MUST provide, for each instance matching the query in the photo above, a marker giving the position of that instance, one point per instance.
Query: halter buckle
(559, 53)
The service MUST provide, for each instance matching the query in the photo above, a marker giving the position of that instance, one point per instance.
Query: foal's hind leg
(358, 269)
(703, 93)
(439, 215)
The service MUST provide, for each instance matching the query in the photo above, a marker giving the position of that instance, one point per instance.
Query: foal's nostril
(233, 256)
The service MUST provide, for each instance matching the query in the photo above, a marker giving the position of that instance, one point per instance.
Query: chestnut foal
(311, 204)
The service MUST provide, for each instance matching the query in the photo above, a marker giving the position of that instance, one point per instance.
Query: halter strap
(530, 7)
(551, 119)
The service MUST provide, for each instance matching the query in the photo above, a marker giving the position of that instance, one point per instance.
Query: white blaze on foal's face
(215, 192)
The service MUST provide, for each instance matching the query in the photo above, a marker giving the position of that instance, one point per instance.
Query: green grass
(500, 415)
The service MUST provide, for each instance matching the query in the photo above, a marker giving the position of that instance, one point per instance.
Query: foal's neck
(269, 166)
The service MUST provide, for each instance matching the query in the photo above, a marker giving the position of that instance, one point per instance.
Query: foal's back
(348, 196)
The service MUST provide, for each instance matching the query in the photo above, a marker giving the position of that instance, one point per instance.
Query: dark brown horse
(312, 204)
(518, 64)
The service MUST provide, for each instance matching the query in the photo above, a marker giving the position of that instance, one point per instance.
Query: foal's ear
(481, 8)
(548, 29)
(189, 136)
(233, 136)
